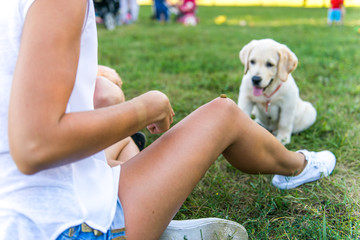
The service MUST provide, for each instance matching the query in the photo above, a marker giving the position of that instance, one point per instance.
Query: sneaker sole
(291, 186)
(204, 229)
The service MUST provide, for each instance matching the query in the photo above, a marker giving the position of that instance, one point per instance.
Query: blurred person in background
(336, 12)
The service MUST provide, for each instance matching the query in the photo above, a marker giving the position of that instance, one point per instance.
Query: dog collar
(267, 104)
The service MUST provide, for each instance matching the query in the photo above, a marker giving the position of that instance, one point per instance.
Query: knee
(225, 109)
(107, 93)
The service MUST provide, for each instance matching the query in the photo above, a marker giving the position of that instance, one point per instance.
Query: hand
(158, 111)
(110, 74)
(162, 126)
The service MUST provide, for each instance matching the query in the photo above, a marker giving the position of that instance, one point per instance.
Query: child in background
(129, 12)
(336, 12)
(161, 13)
(187, 13)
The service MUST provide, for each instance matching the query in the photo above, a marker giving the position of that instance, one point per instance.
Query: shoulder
(68, 11)
(55, 17)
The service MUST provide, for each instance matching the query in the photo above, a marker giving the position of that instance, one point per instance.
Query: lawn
(193, 65)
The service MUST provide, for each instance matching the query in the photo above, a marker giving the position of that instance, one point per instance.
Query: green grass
(193, 65)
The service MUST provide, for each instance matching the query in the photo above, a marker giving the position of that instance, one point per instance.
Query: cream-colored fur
(279, 109)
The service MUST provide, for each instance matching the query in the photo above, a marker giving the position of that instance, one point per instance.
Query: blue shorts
(334, 15)
(84, 232)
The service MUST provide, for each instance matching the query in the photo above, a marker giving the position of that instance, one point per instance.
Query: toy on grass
(357, 29)
(220, 19)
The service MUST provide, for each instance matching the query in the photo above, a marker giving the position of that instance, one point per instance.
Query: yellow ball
(220, 19)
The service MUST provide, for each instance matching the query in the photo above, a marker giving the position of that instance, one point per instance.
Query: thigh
(122, 150)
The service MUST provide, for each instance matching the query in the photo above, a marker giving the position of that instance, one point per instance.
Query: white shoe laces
(315, 161)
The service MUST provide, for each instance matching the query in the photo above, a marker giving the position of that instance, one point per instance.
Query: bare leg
(108, 93)
(155, 183)
(121, 151)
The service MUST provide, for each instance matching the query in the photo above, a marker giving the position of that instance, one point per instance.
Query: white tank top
(58, 198)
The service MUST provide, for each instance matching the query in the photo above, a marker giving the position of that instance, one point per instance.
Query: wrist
(151, 106)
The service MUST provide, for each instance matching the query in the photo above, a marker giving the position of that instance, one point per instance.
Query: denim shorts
(84, 232)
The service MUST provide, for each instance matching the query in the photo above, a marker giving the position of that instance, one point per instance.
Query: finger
(115, 77)
(120, 82)
(151, 128)
(111, 74)
(171, 116)
(171, 120)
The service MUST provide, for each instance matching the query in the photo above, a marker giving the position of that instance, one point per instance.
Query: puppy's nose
(256, 80)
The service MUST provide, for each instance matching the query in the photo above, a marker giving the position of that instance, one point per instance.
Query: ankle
(302, 165)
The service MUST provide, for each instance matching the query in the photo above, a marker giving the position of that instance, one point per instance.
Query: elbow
(32, 144)
(28, 160)
(25, 169)
(26, 165)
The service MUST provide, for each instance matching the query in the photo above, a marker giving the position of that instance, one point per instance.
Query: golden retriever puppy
(269, 92)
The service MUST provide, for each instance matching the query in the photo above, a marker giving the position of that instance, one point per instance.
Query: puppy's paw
(284, 139)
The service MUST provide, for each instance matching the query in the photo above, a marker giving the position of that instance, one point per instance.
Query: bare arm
(41, 134)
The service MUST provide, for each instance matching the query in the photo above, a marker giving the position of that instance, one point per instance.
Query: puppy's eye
(269, 64)
(252, 62)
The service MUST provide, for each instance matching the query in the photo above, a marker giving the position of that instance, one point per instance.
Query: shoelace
(314, 161)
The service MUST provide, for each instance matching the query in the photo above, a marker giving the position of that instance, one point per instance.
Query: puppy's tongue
(257, 91)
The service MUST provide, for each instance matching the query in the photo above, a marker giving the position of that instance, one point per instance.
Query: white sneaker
(204, 229)
(320, 164)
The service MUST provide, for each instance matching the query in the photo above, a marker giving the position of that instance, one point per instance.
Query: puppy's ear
(287, 62)
(244, 54)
